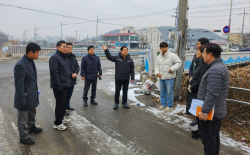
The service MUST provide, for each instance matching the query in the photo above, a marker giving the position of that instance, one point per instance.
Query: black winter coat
(90, 67)
(124, 68)
(73, 67)
(26, 91)
(59, 71)
(200, 70)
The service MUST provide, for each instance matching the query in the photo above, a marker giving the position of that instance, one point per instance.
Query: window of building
(136, 38)
(122, 38)
(116, 38)
(132, 38)
(128, 31)
(126, 38)
(112, 38)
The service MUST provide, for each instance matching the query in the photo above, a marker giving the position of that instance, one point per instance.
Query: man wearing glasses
(60, 82)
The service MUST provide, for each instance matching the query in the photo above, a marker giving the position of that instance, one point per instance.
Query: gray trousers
(26, 119)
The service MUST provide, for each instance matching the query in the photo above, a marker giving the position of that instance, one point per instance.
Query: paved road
(92, 130)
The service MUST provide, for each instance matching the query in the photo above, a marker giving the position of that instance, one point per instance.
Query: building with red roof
(131, 40)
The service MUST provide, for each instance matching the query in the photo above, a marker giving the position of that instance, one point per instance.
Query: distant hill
(193, 33)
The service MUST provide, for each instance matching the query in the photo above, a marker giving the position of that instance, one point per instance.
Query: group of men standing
(64, 68)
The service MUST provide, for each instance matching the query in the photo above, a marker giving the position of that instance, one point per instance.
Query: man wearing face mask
(124, 68)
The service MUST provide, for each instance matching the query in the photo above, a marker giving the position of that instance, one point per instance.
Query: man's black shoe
(85, 103)
(35, 129)
(125, 105)
(116, 105)
(196, 136)
(92, 101)
(195, 122)
(28, 141)
(194, 132)
(70, 109)
(66, 113)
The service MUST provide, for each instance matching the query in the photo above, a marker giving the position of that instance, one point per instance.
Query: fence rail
(241, 89)
(19, 50)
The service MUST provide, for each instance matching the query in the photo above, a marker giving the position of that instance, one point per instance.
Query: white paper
(195, 103)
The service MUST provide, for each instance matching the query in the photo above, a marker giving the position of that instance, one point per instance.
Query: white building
(149, 36)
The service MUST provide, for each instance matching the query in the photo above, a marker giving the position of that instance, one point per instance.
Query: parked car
(234, 49)
(245, 50)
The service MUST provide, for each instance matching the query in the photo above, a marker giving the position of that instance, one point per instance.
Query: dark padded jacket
(124, 68)
(59, 71)
(73, 67)
(214, 88)
(90, 67)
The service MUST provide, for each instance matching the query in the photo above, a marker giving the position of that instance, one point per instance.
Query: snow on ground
(4, 145)
(98, 139)
(137, 76)
(173, 117)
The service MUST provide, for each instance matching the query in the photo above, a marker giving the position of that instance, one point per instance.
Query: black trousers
(210, 135)
(60, 105)
(121, 84)
(69, 94)
(86, 89)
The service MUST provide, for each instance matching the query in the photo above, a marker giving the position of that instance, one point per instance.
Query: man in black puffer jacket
(74, 70)
(90, 66)
(60, 82)
(124, 68)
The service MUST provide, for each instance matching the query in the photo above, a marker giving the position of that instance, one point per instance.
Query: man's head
(91, 50)
(32, 51)
(69, 48)
(164, 47)
(124, 51)
(201, 41)
(61, 46)
(212, 51)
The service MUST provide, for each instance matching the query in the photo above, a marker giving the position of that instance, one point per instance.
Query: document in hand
(196, 106)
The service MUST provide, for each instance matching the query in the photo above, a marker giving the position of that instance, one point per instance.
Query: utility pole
(182, 28)
(96, 32)
(87, 39)
(61, 30)
(76, 35)
(228, 37)
(241, 35)
(35, 34)
(24, 36)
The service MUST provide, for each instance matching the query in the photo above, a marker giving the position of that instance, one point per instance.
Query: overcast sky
(207, 14)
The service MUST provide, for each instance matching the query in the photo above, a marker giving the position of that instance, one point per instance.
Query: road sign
(226, 29)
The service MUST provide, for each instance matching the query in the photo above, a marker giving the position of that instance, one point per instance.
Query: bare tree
(142, 39)
(4, 38)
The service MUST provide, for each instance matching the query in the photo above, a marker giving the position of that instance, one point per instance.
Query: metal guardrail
(237, 101)
(20, 50)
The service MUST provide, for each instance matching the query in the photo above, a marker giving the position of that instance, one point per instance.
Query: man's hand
(202, 116)
(104, 47)
(73, 75)
(170, 71)
(100, 76)
(159, 75)
(132, 80)
(83, 78)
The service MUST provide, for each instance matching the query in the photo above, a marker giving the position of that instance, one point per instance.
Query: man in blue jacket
(26, 93)
(60, 82)
(124, 68)
(213, 91)
(90, 67)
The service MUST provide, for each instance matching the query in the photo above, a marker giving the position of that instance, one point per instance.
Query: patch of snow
(98, 139)
(137, 76)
